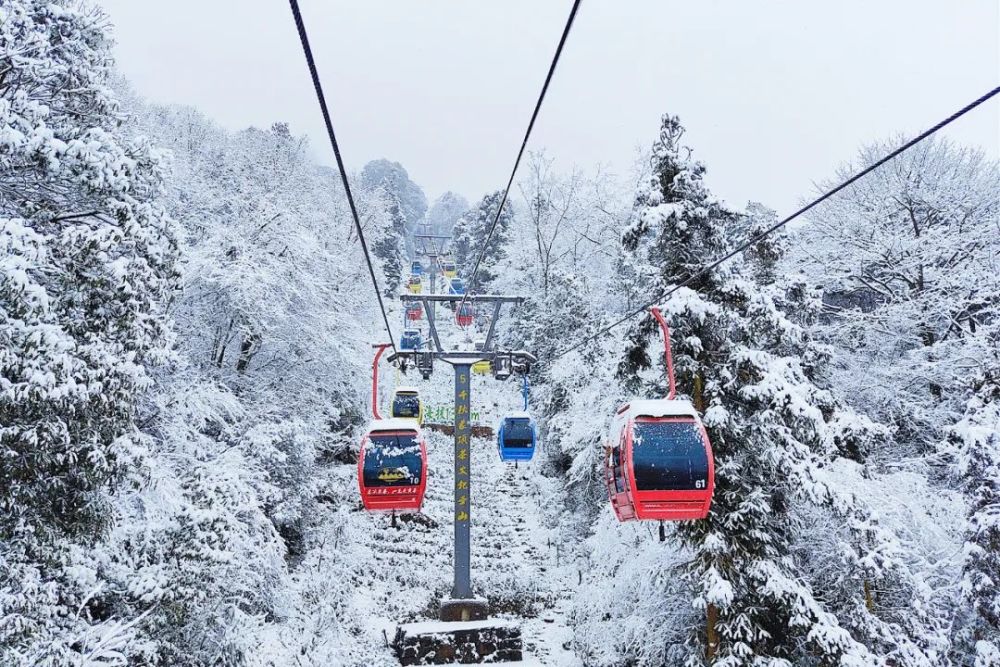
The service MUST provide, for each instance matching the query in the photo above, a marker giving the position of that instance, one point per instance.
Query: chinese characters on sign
(463, 434)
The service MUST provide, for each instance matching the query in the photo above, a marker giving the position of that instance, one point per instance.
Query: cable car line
(524, 143)
(314, 73)
(778, 225)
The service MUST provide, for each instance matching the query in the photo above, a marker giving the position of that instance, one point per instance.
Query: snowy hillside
(187, 321)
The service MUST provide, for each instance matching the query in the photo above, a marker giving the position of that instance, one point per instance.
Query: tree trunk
(698, 395)
(223, 343)
(249, 346)
(711, 635)
(221, 355)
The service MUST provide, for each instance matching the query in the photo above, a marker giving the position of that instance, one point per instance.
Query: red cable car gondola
(464, 315)
(414, 312)
(659, 464)
(392, 464)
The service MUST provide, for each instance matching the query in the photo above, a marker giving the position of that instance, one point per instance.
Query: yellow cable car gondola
(483, 367)
(414, 284)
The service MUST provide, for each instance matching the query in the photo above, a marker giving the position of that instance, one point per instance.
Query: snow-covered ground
(513, 556)
(399, 574)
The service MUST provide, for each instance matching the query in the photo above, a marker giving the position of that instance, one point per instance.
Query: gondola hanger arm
(666, 351)
(379, 350)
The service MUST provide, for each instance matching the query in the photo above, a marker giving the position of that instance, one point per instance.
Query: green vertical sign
(462, 590)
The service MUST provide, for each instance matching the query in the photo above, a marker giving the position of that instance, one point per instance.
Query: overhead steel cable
(307, 51)
(524, 143)
(778, 225)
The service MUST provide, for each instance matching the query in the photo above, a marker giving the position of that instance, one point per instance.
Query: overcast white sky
(774, 93)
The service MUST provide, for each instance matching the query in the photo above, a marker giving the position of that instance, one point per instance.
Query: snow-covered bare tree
(571, 224)
(909, 260)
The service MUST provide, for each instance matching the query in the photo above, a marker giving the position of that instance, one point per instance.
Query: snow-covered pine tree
(469, 238)
(88, 260)
(445, 212)
(752, 371)
(974, 446)
(391, 249)
(86, 263)
(407, 206)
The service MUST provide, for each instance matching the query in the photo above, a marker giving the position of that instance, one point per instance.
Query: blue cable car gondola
(456, 286)
(416, 268)
(517, 433)
(411, 340)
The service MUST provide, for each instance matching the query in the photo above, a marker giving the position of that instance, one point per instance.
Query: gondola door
(619, 490)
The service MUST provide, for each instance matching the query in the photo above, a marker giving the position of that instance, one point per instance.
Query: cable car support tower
(434, 247)
(463, 606)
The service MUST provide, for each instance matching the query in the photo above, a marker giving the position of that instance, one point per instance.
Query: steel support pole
(487, 345)
(462, 590)
(432, 324)
(433, 279)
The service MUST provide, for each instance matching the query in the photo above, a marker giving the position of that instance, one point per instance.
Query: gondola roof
(392, 424)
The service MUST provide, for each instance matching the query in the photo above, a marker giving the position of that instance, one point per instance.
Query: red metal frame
(662, 505)
(666, 351)
(393, 498)
(379, 349)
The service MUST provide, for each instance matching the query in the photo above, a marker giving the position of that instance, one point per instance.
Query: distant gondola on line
(416, 268)
(517, 432)
(414, 312)
(411, 340)
(658, 463)
(449, 269)
(482, 367)
(414, 284)
(392, 466)
(516, 436)
(464, 315)
(406, 404)
(456, 286)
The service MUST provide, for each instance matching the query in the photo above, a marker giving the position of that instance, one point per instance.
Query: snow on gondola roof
(660, 407)
(393, 424)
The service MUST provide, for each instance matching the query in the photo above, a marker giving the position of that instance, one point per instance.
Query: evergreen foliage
(756, 375)
(469, 239)
(407, 206)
